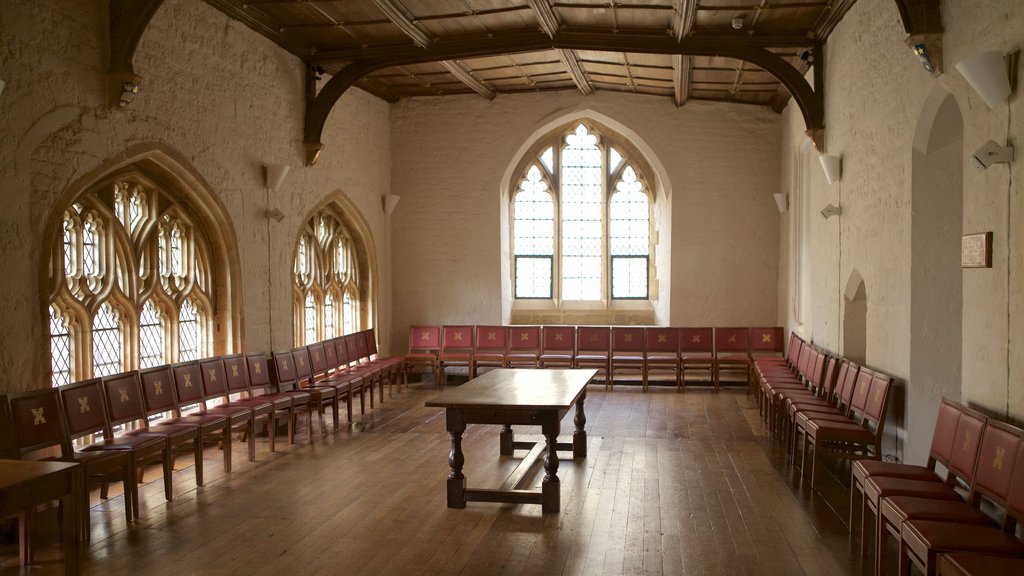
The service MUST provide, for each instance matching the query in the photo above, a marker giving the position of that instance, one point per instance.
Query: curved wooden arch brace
(128, 20)
(365, 62)
(922, 21)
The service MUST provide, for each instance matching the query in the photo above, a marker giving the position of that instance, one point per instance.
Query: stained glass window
(169, 262)
(60, 348)
(581, 221)
(327, 264)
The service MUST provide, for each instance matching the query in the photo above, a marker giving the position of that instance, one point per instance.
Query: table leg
(551, 486)
(456, 424)
(507, 438)
(579, 436)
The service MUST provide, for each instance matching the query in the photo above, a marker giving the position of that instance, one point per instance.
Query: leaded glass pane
(188, 332)
(341, 257)
(328, 316)
(534, 217)
(162, 252)
(177, 267)
(348, 309)
(66, 240)
(90, 255)
(136, 209)
(548, 158)
(60, 348)
(106, 342)
(303, 266)
(310, 319)
(581, 216)
(533, 277)
(629, 277)
(629, 217)
(151, 337)
(614, 159)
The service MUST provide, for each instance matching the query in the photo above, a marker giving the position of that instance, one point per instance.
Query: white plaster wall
(215, 95)
(449, 156)
(875, 91)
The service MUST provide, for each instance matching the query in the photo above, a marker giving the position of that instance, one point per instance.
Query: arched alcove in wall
(855, 318)
(936, 283)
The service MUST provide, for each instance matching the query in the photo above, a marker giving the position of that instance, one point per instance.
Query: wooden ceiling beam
(685, 16)
(518, 41)
(401, 17)
(922, 20)
(128, 19)
(545, 16)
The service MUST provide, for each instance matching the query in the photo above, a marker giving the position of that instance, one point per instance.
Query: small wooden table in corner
(27, 483)
(516, 397)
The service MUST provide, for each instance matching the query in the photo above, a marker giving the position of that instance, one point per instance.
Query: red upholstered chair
(558, 348)
(593, 350)
(159, 398)
(359, 354)
(861, 436)
(85, 415)
(288, 401)
(523, 347)
(240, 418)
(765, 342)
(392, 367)
(320, 395)
(629, 352)
(323, 375)
(37, 424)
(732, 353)
(697, 352)
(968, 564)
(123, 397)
(456, 349)
(491, 348)
(663, 352)
(237, 394)
(424, 346)
(1001, 462)
(188, 384)
(351, 374)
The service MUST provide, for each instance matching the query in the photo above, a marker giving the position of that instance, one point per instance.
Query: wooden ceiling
(505, 46)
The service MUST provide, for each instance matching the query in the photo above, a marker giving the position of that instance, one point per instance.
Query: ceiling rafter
(519, 41)
(682, 24)
(549, 24)
(401, 17)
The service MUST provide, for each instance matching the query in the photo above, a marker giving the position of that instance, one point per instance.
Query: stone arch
(855, 317)
(936, 279)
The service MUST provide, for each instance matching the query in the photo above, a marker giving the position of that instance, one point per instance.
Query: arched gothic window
(581, 221)
(326, 269)
(129, 283)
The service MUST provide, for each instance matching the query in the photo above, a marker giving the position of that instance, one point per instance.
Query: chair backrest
(732, 340)
(317, 359)
(371, 343)
(331, 354)
(282, 371)
(593, 340)
(457, 340)
(964, 459)
(123, 396)
(341, 351)
(662, 340)
(945, 431)
(188, 383)
(84, 412)
(767, 341)
(352, 347)
(524, 339)
(877, 401)
(259, 370)
(629, 340)
(214, 378)
(158, 394)
(829, 378)
(697, 340)
(1000, 445)
(1015, 501)
(492, 339)
(846, 385)
(424, 339)
(362, 351)
(237, 374)
(36, 421)
(558, 339)
(301, 364)
(793, 350)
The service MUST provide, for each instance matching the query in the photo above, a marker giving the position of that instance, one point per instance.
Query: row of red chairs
(611, 350)
(114, 426)
(830, 403)
(969, 497)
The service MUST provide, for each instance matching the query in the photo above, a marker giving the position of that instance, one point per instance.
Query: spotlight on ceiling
(737, 23)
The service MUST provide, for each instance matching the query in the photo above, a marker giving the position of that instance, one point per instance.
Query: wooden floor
(675, 483)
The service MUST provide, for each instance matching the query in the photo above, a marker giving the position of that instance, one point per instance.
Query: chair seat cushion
(861, 469)
(898, 509)
(879, 486)
(937, 536)
(488, 357)
(966, 564)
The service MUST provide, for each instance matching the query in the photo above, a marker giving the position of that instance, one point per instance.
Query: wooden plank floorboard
(674, 484)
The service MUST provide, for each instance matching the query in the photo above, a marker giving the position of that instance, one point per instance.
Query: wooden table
(515, 397)
(25, 484)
